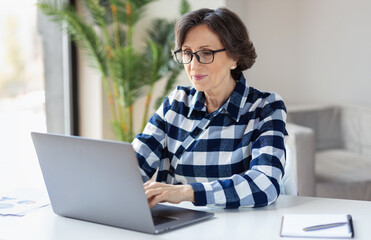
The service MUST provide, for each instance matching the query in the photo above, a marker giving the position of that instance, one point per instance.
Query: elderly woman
(219, 142)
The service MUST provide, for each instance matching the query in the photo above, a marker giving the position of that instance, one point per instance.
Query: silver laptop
(99, 181)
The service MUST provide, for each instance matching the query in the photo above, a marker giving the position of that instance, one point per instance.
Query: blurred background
(316, 51)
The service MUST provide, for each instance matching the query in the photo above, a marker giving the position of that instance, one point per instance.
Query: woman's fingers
(156, 200)
(161, 192)
(152, 191)
(148, 183)
(155, 193)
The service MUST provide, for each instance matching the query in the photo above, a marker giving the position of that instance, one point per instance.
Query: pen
(324, 226)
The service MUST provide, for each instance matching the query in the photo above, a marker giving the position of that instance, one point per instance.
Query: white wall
(316, 51)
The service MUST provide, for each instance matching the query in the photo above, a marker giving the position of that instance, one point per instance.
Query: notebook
(99, 181)
(317, 225)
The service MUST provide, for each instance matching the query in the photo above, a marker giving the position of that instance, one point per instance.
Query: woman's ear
(234, 65)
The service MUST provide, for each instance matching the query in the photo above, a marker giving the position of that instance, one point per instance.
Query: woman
(220, 142)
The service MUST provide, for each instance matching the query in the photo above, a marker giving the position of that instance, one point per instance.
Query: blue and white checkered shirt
(232, 157)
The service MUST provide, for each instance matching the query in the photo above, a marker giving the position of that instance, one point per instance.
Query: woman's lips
(198, 77)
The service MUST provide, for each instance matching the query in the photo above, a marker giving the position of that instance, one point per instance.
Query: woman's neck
(214, 100)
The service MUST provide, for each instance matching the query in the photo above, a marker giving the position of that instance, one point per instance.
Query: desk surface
(243, 223)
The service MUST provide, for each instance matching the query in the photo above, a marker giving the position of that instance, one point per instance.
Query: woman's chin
(198, 87)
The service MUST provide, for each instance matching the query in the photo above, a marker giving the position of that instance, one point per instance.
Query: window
(22, 95)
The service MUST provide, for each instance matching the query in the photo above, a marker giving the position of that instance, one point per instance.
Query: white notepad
(293, 225)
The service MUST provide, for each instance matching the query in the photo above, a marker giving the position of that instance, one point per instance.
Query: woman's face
(213, 78)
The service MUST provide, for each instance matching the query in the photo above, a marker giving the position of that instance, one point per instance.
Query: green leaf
(96, 10)
(129, 73)
(170, 85)
(184, 7)
(82, 32)
(129, 11)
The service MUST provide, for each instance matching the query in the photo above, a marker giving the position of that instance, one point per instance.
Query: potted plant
(106, 35)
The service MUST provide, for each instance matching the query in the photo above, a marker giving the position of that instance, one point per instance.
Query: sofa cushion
(351, 190)
(356, 129)
(343, 174)
(338, 165)
(325, 122)
(365, 132)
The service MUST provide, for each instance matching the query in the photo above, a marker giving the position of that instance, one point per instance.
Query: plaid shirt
(232, 157)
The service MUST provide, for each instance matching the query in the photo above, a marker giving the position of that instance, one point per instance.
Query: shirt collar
(197, 103)
(233, 105)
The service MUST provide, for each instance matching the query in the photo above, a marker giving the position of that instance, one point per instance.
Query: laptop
(99, 181)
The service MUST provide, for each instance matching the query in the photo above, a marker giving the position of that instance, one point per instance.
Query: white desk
(243, 223)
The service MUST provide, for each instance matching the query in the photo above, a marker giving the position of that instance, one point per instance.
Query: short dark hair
(230, 29)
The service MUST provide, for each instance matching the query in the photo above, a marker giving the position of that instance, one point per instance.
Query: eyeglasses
(203, 56)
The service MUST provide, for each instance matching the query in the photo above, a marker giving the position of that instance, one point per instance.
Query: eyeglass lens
(203, 56)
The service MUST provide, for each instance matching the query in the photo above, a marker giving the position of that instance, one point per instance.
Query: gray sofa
(342, 151)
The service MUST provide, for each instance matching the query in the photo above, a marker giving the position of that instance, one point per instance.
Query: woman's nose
(195, 63)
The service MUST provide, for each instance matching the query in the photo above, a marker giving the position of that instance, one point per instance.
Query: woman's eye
(187, 53)
(205, 53)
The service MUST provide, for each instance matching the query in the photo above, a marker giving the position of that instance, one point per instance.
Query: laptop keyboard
(162, 219)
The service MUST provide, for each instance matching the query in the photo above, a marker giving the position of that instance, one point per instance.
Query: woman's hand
(161, 192)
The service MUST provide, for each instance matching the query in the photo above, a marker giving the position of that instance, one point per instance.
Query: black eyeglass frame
(197, 56)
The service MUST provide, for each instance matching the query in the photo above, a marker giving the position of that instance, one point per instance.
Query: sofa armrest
(302, 140)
